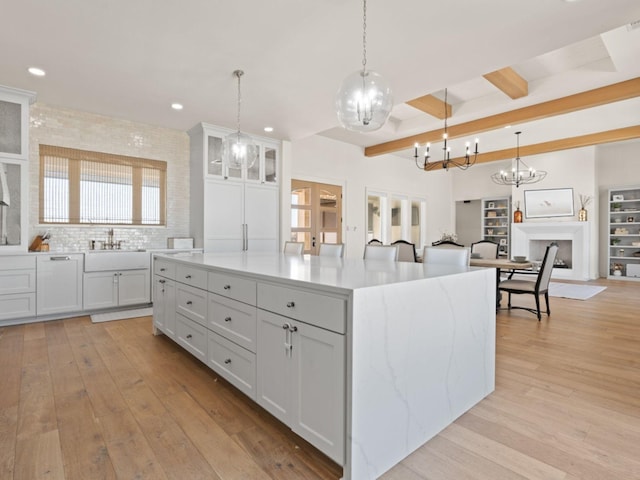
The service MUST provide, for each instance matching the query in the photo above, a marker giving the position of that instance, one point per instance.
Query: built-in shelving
(624, 233)
(496, 221)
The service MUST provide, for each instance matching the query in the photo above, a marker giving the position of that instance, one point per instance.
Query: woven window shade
(85, 187)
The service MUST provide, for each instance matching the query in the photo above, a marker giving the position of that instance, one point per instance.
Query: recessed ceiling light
(177, 106)
(268, 129)
(38, 72)
(507, 126)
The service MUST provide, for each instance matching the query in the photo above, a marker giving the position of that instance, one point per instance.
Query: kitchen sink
(106, 260)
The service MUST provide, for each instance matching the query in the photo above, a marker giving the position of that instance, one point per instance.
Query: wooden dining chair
(485, 248)
(537, 287)
(406, 251)
(293, 248)
(446, 243)
(381, 252)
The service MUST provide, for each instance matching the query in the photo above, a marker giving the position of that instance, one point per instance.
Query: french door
(316, 214)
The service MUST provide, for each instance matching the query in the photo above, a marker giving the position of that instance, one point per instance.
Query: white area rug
(122, 314)
(576, 292)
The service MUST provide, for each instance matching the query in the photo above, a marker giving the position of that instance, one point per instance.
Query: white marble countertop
(344, 274)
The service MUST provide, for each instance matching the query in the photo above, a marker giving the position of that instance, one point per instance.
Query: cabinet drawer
(17, 281)
(196, 277)
(164, 268)
(234, 363)
(316, 309)
(238, 288)
(19, 305)
(20, 262)
(192, 336)
(192, 303)
(233, 320)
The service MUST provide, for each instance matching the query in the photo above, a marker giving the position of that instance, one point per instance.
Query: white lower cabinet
(164, 305)
(235, 364)
(59, 283)
(17, 287)
(301, 380)
(192, 336)
(113, 289)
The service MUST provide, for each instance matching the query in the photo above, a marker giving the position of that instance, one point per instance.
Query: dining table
(500, 264)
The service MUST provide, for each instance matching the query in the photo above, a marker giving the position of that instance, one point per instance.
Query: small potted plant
(615, 241)
(616, 207)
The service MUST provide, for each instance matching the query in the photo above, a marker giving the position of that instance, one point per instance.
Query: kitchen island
(366, 360)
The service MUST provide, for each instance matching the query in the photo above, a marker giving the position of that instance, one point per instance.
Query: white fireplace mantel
(577, 232)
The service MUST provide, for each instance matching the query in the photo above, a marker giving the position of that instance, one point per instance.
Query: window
(392, 217)
(83, 187)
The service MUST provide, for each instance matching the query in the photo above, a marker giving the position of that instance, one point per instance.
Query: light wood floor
(88, 401)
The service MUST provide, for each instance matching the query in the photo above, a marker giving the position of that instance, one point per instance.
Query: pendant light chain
(239, 73)
(364, 36)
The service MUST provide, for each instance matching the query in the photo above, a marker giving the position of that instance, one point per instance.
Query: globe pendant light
(364, 100)
(239, 150)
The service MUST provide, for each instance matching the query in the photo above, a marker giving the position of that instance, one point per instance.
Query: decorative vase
(582, 215)
(517, 215)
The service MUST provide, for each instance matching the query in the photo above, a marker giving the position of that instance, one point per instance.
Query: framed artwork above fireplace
(553, 202)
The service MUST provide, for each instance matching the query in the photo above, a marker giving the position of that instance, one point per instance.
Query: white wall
(324, 160)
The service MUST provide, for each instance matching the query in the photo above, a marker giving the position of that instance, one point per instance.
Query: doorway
(316, 214)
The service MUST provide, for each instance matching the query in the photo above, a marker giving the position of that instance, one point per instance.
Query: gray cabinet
(59, 283)
(17, 287)
(116, 289)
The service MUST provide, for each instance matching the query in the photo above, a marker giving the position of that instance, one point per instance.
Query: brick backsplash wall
(74, 129)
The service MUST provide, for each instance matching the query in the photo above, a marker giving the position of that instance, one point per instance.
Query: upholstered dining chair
(406, 251)
(331, 250)
(293, 248)
(381, 252)
(446, 256)
(536, 288)
(485, 248)
(446, 243)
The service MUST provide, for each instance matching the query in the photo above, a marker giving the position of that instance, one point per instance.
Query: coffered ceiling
(131, 60)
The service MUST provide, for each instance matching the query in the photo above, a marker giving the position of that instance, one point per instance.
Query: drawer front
(233, 320)
(233, 363)
(19, 305)
(19, 262)
(192, 303)
(238, 288)
(192, 336)
(196, 277)
(17, 281)
(164, 268)
(313, 308)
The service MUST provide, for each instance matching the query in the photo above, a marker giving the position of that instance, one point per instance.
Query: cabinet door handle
(189, 302)
(293, 329)
(60, 258)
(286, 326)
(163, 269)
(189, 336)
(227, 361)
(162, 281)
(227, 319)
(227, 287)
(187, 277)
(291, 304)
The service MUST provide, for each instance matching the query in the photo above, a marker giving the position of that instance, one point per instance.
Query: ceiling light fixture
(520, 173)
(423, 162)
(239, 150)
(268, 129)
(177, 106)
(37, 72)
(364, 100)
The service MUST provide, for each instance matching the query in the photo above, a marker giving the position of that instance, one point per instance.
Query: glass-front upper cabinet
(14, 122)
(207, 145)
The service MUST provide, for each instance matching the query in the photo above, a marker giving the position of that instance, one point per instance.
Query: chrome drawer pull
(189, 336)
(163, 269)
(162, 281)
(227, 361)
(227, 319)
(286, 326)
(59, 258)
(187, 276)
(189, 302)
(291, 304)
(227, 287)
(293, 329)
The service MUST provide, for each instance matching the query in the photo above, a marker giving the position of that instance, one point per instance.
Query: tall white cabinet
(624, 233)
(233, 209)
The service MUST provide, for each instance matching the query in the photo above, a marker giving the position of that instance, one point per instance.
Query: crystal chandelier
(423, 162)
(520, 172)
(364, 100)
(239, 150)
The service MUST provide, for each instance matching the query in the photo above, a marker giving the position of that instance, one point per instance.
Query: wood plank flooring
(110, 401)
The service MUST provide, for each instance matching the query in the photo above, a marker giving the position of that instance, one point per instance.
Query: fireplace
(531, 239)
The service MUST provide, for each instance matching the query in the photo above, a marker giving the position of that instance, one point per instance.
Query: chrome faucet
(109, 243)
